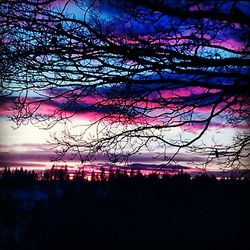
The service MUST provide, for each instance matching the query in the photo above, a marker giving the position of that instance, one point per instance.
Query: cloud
(158, 166)
(25, 156)
(42, 153)
(31, 165)
(118, 106)
(41, 160)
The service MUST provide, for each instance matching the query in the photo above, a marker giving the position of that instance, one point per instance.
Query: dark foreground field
(125, 213)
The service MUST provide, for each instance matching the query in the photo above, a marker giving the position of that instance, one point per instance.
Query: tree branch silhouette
(145, 68)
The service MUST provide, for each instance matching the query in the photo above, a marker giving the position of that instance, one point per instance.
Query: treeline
(102, 175)
(63, 174)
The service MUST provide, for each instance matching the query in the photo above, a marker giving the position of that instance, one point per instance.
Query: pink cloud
(230, 43)
(186, 92)
(155, 108)
(5, 112)
(187, 37)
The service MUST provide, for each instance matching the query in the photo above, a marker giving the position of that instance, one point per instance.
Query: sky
(33, 147)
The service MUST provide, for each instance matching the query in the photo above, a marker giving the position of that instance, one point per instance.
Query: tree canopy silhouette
(140, 69)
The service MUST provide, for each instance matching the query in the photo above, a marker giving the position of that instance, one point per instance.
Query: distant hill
(157, 166)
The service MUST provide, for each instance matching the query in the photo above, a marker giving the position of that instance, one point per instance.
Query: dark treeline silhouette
(122, 210)
(61, 173)
(19, 175)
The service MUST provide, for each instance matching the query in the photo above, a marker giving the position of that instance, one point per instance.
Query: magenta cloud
(99, 106)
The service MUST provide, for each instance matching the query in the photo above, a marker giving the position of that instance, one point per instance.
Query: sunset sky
(33, 147)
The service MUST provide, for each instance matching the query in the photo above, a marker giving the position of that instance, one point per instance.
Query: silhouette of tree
(102, 174)
(153, 176)
(147, 69)
(46, 175)
(93, 176)
(118, 173)
(166, 177)
(125, 174)
(79, 175)
(132, 172)
(111, 174)
(6, 174)
(139, 175)
(19, 176)
(62, 174)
